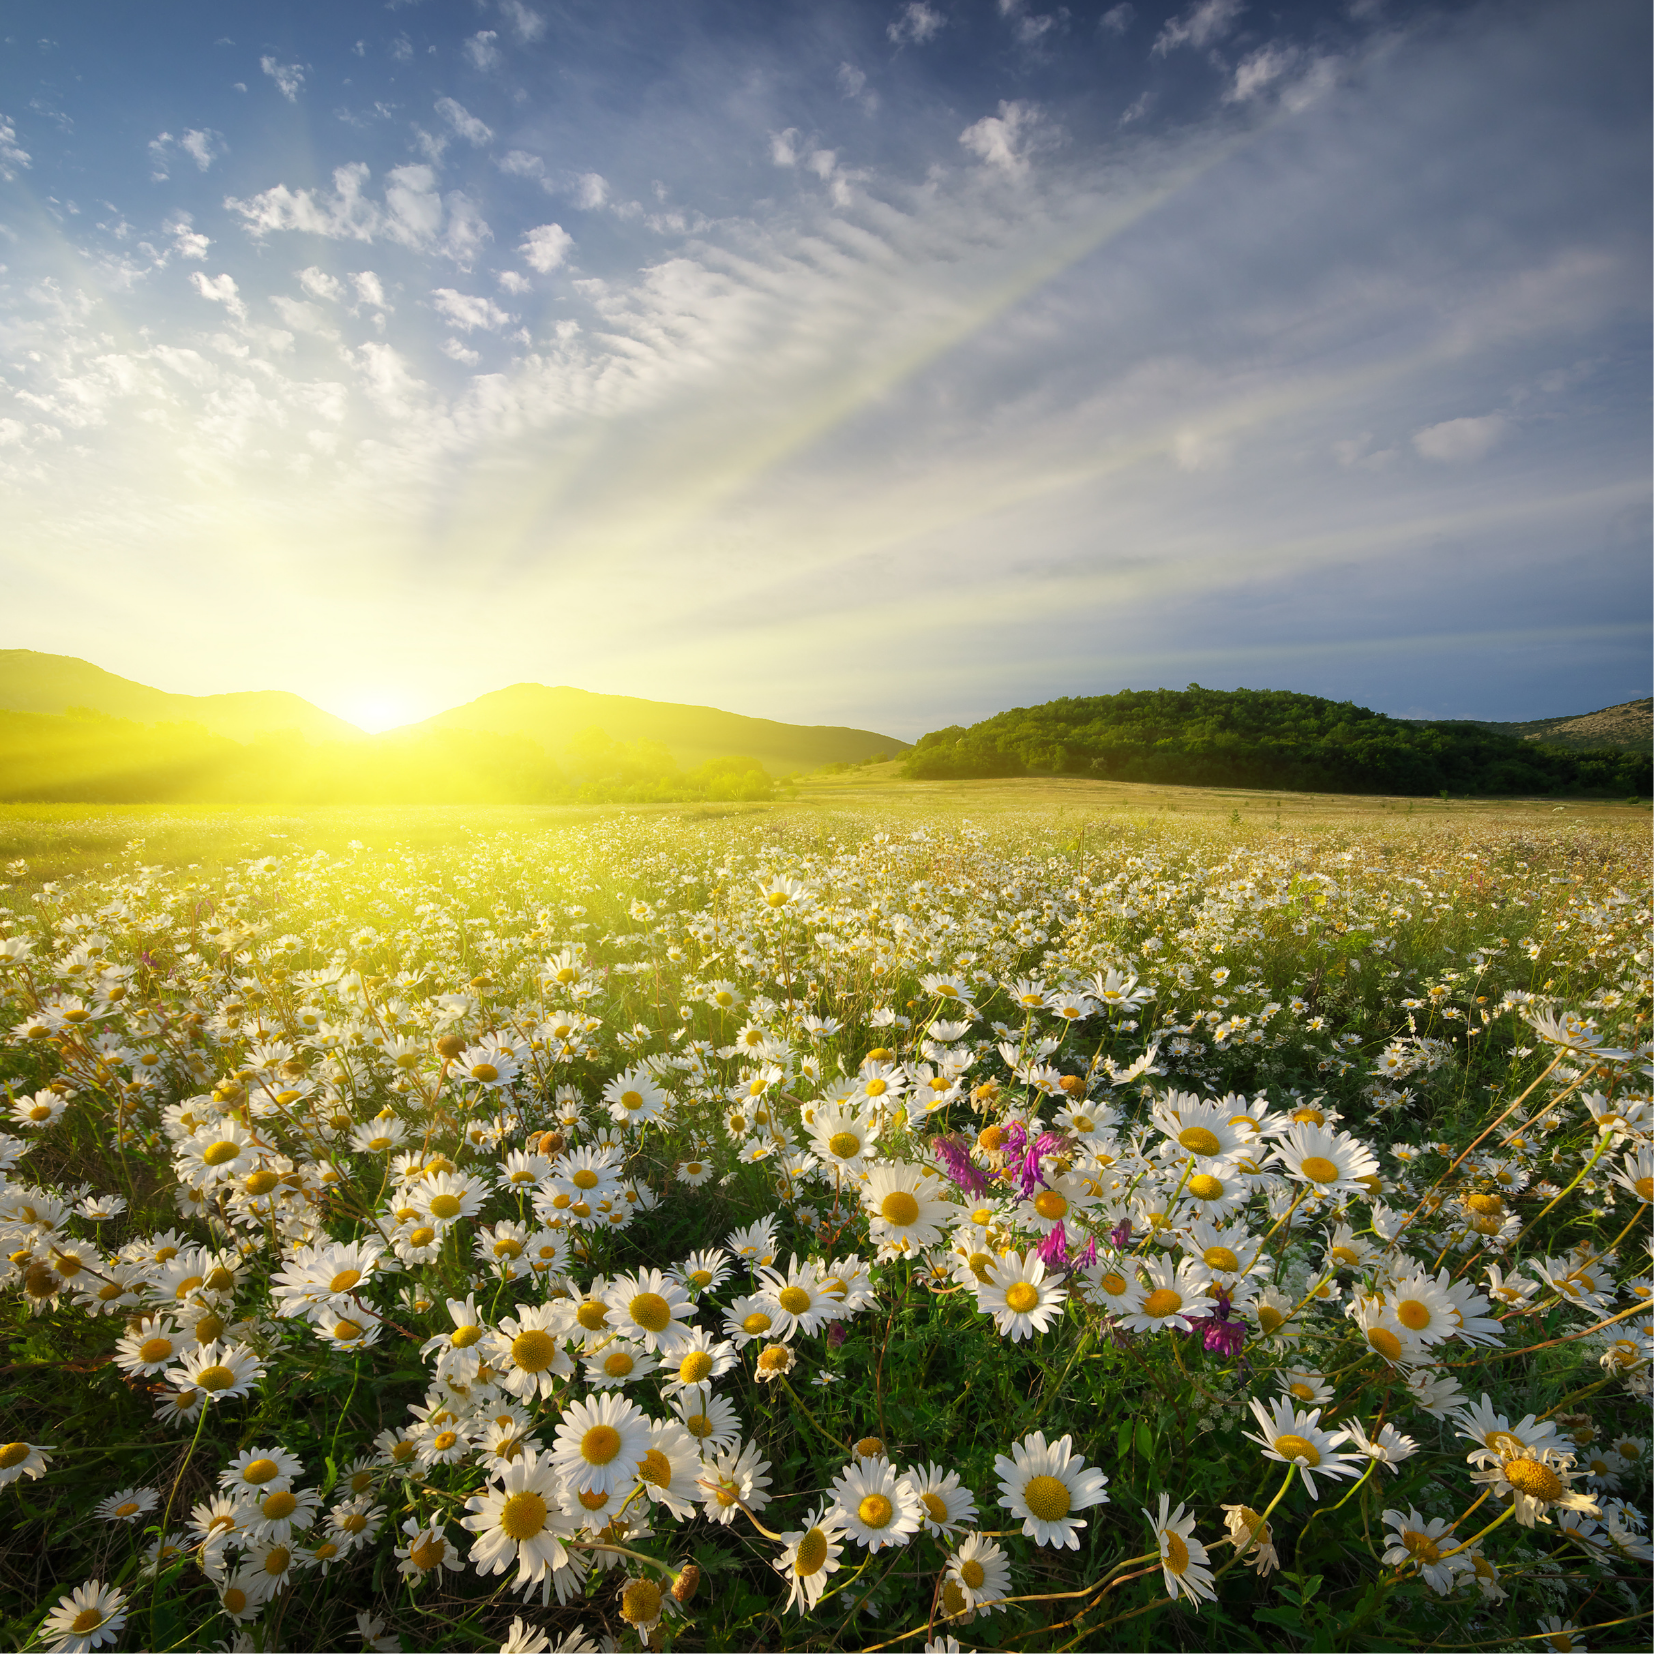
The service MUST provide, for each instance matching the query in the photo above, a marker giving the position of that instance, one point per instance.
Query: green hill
(34, 682)
(559, 718)
(1266, 738)
(1627, 727)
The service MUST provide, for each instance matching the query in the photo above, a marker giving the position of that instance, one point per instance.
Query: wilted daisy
(85, 1618)
(519, 1518)
(1018, 1296)
(811, 1553)
(1182, 1556)
(1291, 1437)
(1045, 1484)
(730, 1478)
(1249, 1533)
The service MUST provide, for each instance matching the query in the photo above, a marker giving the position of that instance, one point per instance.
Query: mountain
(1268, 738)
(555, 718)
(33, 682)
(1628, 727)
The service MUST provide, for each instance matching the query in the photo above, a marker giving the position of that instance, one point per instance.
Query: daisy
(947, 1504)
(427, 1550)
(795, 1299)
(85, 1618)
(1330, 1162)
(1399, 1345)
(457, 1352)
(903, 1214)
(1421, 1541)
(876, 1506)
(243, 1595)
(445, 1197)
(1251, 1535)
(1291, 1437)
(700, 1361)
(811, 1554)
(1112, 1285)
(355, 1524)
(650, 1309)
(518, 1519)
(981, 1571)
(282, 1510)
(1389, 1447)
(617, 1365)
(729, 1479)
(1172, 1297)
(22, 1459)
(127, 1505)
(711, 1420)
(775, 1361)
(1045, 1485)
(599, 1442)
(1200, 1129)
(669, 1467)
(526, 1352)
(1497, 1438)
(704, 1271)
(1424, 1307)
(634, 1098)
(749, 1318)
(1018, 1296)
(260, 1470)
(150, 1347)
(843, 1140)
(218, 1372)
(1537, 1480)
(1182, 1556)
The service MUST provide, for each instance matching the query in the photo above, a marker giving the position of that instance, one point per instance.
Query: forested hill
(1269, 738)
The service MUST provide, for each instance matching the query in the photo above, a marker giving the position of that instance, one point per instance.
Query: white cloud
(160, 157)
(525, 24)
(546, 246)
(822, 163)
(1117, 19)
(1002, 141)
(289, 77)
(387, 381)
(1259, 70)
(369, 289)
(591, 190)
(12, 157)
(916, 24)
(464, 122)
(481, 50)
(784, 147)
(453, 348)
(1138, 109)
(186, 242)
(1201, 451)
(203, 147)
(1030, 27)
(305, 317)
(221, 290)
(1199, 26)
(402, 49)
(521, 164)
(1460, 441)
(852, 82)
(513, 281)
(345, 215)
(319, 284)
(467, 312)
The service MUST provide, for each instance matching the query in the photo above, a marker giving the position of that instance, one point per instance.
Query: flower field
(815, 1230)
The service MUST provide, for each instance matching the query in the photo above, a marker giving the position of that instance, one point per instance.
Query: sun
(377, 710)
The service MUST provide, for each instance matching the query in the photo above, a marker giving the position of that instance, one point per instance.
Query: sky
(886, 364)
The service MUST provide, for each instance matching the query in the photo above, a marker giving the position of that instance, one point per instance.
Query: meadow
(916, 1215)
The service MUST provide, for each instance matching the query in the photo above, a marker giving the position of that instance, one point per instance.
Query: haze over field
(883, 365)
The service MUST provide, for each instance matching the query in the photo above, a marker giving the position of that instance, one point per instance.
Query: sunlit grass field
(1025, 1215)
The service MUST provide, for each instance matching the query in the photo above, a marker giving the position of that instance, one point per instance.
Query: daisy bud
(450, 1046)
(687, 1583)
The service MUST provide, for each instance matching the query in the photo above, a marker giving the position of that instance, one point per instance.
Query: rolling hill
(35, 682)
(1627, 727)
(555, 718)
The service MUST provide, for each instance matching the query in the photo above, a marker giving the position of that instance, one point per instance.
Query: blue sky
(886, 364)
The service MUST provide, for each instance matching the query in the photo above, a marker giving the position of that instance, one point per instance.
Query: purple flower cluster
(1218, 1333)
(959, 1166)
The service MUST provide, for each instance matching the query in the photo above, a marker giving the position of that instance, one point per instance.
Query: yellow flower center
(900, 1208)
(522, 1516)
(276, 1559)
(215, 1378)
(129, 1508)
(444, 1439)
(533, 1350)
(88, 1619)
(1162, 1302)
(187, 1286)
(631, 1100)
(640, 1602)
(592, 1315)
(650, 1311)
(1220, 1257)
(1536, 1480)
(422, 1236)
(1297, 1447)
(1385, 1342)
(1421, 1545)
(794, 1299)
(1021, 1297)
(428, 1551)
(464, 1337)
(973, 1573)
(1203, 1186)
(1050, 1205)
(875, 1511)
(220, 1154)
(1318, 1169)
(755, 1323)
(844, 1144)
(698, 1425)
(1176, 1554)
(600, 1444)
(776, 1359)
(279, 1505)
(155, 1349)
(235, 1599)
(618, 1365)
(261, 1182)
(1269, 1318)
(1412, 1314)
(260, 1471)
(13, 1453)
(446, 1206)
(695, 1367)
(655, 1467)
(354, 1522)
(1047, 1498)
(585, 1178)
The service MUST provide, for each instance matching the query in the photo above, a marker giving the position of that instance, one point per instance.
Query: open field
(1039, 1214)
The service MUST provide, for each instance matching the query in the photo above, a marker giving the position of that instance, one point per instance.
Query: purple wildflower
(1218, 1333)
(1120, 1235)
(1053, 1250)
(1089, 1256)
(836, 1334)
(960, 1167)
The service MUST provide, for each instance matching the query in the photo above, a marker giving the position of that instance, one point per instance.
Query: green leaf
(1122, 1440)
(1145, 1440)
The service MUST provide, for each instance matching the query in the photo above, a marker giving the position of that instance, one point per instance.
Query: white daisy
(811, 1554)
(600, 1441)
(877, 1506)
(731, 1478)
(1045, 1484)
(85, 1618)
(981, 1572)
(1018, 1296)
(948, 1503)
(650, 1309)
(1182, 1556)
(519, 1519)
(1291, 1437)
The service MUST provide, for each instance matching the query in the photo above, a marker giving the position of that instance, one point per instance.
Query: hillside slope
(692, 734)
(35, 682)
(1627, 727)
